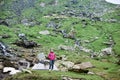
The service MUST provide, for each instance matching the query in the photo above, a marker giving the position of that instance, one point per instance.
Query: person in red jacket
(51, 57)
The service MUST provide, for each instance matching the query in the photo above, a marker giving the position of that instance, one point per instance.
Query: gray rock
(45, 32)
(63, 47)
(107, 51)
(83, 65)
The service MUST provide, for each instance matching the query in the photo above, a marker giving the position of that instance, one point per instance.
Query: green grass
(53, 75)
(100, 29)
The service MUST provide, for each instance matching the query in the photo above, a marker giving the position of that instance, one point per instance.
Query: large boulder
(84, 65)
(67, 64)
(81, 68)
(64, 65)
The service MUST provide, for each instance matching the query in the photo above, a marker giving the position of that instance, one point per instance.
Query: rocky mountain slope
(86, 29)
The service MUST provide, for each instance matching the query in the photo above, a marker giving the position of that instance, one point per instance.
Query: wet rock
(4, 50)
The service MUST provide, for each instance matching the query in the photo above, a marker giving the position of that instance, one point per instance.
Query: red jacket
(51, 56)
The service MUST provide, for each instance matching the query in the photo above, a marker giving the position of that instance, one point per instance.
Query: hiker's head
(51, 50)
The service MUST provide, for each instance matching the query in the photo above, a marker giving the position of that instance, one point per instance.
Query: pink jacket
(51, 56)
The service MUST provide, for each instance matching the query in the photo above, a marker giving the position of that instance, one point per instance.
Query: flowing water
(3, 50)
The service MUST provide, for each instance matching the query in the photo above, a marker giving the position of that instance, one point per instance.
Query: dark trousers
(51, 64)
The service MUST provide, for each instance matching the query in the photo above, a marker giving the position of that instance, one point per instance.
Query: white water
(41, 66)
(113, 1)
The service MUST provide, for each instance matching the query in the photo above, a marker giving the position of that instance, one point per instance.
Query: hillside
(80, 30)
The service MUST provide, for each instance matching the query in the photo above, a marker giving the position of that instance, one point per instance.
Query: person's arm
(49, 56)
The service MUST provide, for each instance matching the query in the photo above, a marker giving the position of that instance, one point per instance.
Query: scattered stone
(4, 36)
(3, 22)
(63, 47)
(45, 32)
(26, 22)
(91, 73)
(22, 36)
(42, 4)
(107, 51)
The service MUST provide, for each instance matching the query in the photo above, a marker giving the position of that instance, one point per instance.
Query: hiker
(51, 57)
